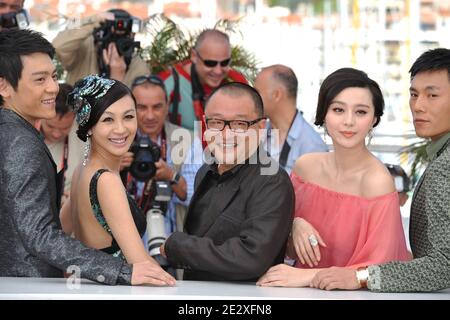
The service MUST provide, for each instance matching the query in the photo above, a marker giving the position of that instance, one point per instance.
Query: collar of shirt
(213, 168)
(293, 133)
(295, 129)
(435, 147)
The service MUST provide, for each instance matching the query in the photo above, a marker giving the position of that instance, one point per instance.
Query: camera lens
(143, 166)
(146, 153)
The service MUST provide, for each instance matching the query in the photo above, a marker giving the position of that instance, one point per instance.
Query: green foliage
(170, 45)
(60, 71)
(420, 158)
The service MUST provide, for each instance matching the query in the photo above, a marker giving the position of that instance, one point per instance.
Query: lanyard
(286, 147)
(64, 164)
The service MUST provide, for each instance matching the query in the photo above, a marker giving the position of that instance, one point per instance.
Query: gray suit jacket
(32, 243)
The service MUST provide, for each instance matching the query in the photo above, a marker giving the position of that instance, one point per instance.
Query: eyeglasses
(238, 126)
(151, 79)
(213, 63)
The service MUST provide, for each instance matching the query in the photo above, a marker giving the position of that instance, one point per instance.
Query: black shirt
(237, 224)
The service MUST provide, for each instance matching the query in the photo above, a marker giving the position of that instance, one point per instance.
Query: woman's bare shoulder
(377, 181)
(310, 163)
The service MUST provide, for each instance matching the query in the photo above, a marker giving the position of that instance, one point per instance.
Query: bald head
(211, 35)
(285, 77)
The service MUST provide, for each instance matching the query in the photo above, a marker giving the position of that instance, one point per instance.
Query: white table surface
(49, 289)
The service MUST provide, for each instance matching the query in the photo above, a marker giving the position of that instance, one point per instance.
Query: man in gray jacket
(31, 240)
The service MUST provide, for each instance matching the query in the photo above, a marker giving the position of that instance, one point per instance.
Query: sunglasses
(151, 79)
(213, 63)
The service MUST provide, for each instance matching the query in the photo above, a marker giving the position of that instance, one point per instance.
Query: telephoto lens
(156, 234)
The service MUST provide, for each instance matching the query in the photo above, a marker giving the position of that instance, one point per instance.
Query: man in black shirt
(241, 212)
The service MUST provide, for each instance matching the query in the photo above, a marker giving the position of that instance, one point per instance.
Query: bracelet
(362, 275)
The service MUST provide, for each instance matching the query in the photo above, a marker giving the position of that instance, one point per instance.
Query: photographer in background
(160, 169)
(13, 15)
(104, 44)
(62, 141)
(401, 180)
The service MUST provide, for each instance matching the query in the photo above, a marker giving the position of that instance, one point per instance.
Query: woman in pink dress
(347, 210)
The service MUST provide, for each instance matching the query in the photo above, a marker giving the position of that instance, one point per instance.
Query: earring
(87, 149)
(370, 136)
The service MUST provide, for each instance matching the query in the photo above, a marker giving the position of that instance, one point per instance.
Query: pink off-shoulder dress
(357, 231)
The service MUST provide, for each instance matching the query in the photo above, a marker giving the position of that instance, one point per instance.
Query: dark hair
(62, 107)
(432, 60)
(119, 13)
(98, 105)
(210, 33)
(237, 89)
(150, 80)
(287, 78)
(15, 43)
(342, 79)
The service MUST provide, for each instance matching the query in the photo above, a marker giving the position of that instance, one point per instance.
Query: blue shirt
(302, 138)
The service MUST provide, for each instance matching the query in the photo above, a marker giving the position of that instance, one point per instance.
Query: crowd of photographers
(168, 105)
(104, 44)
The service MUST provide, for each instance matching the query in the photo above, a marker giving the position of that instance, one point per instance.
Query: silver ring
(313, 240)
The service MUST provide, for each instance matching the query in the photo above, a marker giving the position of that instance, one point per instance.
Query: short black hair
(239, 89)
(15, 43)
(62, 107)
(432, 60)
(342, 79)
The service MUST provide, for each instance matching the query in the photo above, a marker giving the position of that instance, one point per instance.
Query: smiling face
(350, 116)
(36, 91)
(430, 103)
(115, 130)
(211, 49)
(231, 148)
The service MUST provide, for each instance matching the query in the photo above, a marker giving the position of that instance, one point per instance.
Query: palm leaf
(420, 158)
(170, 45)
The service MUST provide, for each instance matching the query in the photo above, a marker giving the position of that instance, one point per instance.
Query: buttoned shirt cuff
(125, 273)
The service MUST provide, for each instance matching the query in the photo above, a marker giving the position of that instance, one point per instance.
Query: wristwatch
(362, 275)
(176, 178)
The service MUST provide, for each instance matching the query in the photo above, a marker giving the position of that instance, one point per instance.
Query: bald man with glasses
(190, 82)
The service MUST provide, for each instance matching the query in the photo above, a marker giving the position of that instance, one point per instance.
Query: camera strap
(173, 117)
(65, 154)
(286, 147)
(198, 95)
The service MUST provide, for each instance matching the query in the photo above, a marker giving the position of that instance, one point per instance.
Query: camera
(120, 32)
(17, 19)
(146, 153)
(155, 221)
